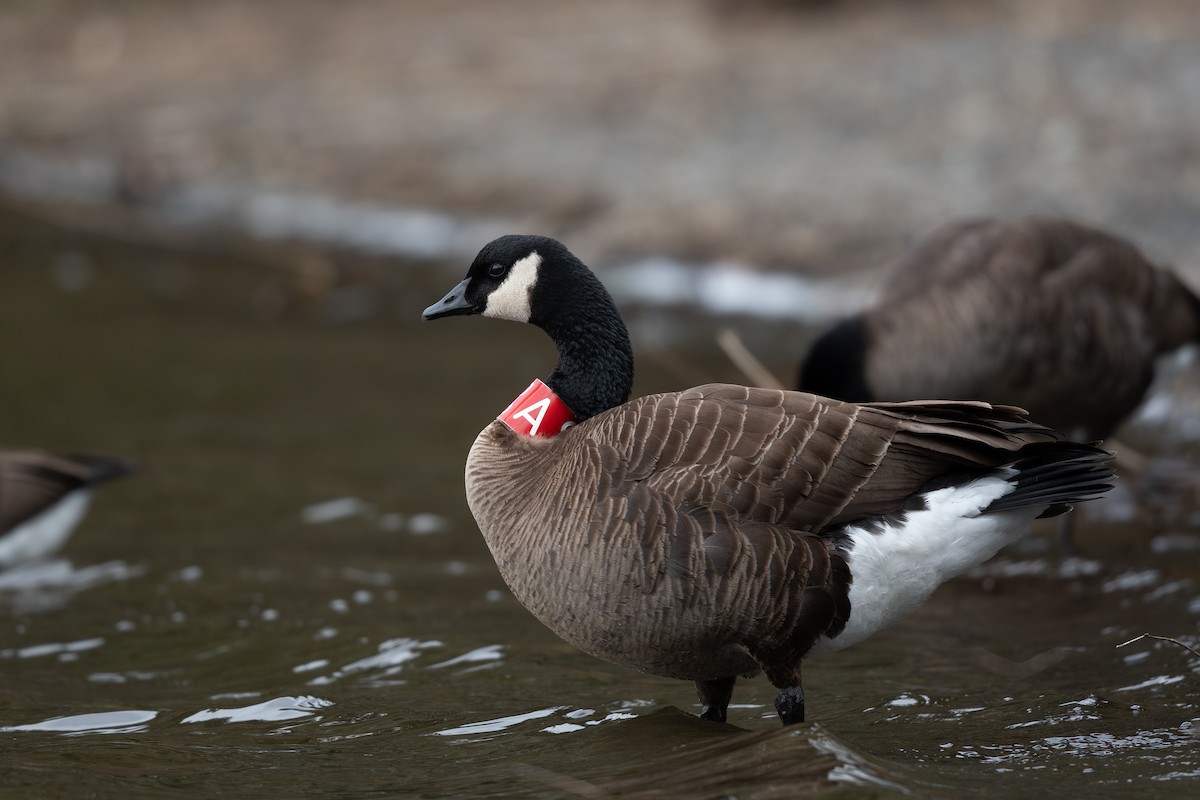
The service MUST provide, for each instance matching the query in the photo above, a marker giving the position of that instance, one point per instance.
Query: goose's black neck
(595, 358)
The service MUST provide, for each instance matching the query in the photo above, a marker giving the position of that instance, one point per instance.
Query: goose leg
(790, 705)
(1066, 543)
(715, 695)
(784, 674)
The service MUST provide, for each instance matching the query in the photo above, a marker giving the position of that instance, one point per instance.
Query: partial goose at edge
(43, 496)
(1056, 317)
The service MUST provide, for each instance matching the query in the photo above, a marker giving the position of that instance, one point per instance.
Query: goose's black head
(536, 279)
(505, 278)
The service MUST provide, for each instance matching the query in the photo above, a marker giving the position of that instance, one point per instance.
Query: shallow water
(291, 597)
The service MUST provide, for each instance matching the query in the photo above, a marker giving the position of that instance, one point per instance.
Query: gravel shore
(816, 137)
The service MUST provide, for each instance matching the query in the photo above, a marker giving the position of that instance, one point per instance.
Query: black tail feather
(1058, 475)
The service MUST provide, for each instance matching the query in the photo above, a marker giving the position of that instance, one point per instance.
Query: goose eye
(496, 270)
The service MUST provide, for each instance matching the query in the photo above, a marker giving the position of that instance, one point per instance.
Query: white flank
(510, 300)
(45, 533)
(895, 570)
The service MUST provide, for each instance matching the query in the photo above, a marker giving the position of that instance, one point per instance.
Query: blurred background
(816, 136)
(219, 222)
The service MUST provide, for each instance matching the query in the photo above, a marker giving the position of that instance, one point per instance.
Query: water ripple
(391, 658)
(278, 709)
(491, 652)
(132, 721)
(498, 724)
(53, 648)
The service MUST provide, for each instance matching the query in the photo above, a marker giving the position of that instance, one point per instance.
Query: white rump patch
(510, 300)
(897, 569)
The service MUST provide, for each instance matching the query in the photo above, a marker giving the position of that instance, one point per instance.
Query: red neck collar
(537, 411)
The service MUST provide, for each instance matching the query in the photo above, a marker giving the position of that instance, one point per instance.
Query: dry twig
(1190, 649)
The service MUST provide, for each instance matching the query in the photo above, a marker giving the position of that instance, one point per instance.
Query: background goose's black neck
(836, 366)
(595, 358)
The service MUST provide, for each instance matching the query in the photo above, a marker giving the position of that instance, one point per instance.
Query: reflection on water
(291, 595)
(48, 585)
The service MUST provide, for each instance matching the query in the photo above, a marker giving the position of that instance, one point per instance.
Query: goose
(725, 531)
(43, 496)
(1048, 314)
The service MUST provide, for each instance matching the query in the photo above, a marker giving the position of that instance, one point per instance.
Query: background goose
(42, 498)
(1058, 318)
(725, 530)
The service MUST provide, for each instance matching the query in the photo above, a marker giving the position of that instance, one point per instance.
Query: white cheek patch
(510, 300)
